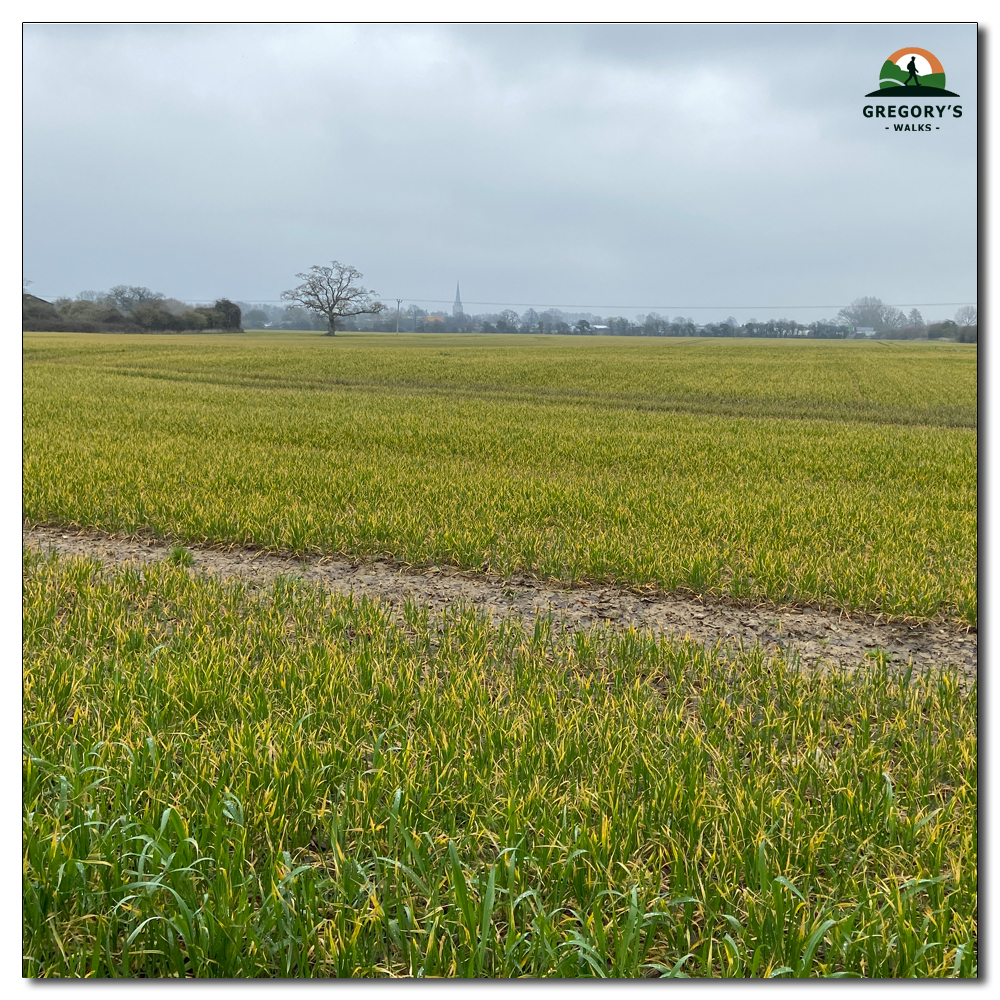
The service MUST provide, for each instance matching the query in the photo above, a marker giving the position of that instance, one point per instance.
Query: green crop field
(222, 783)
(839, 473)
(221, 780)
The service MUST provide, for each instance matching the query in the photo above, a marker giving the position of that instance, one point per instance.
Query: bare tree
(507, 321)
(333, 292)
(967, 316)
(127, 297)
(873, 312)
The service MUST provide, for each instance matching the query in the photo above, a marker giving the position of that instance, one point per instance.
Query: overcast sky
(616, 167)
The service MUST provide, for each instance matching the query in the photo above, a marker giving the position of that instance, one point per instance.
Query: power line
(574, 305)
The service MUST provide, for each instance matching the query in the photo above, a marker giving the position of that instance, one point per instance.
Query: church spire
(458, 302)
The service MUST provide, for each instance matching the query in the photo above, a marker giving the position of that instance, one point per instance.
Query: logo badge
(912, 73)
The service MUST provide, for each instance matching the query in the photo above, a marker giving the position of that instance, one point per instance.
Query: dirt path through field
(818, 636)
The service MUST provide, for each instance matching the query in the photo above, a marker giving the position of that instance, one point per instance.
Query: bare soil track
(818, 636)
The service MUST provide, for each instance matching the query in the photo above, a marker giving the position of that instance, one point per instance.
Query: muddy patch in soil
(817, 636)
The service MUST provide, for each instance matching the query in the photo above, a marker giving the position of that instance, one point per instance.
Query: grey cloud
(563, 164)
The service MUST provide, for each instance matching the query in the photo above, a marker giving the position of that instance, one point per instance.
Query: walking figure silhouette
(911, 67)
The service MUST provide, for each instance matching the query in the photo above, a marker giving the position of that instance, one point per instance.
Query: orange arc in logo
(929, 56)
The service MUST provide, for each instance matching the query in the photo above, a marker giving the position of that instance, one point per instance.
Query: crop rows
(220, 782)
(456, 456)
(881, 382)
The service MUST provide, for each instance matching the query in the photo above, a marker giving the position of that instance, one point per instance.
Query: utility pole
(399, 302)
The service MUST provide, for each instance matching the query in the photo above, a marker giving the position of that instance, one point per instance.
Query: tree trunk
(332, 332)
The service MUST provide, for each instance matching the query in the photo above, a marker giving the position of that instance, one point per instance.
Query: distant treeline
(887, 325)
(868, 315)
(126, 309)
(552, 321)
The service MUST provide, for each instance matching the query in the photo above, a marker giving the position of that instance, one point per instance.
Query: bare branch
(333, 292)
